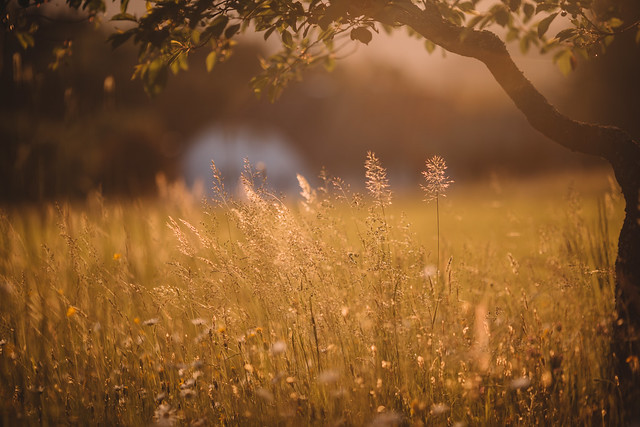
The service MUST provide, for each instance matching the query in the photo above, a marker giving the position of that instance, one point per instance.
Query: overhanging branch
(608, 142)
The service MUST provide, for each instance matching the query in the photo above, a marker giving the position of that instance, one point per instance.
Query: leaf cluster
(316, 31)
(568, 28)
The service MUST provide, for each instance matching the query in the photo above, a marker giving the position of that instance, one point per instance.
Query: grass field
(328, 309)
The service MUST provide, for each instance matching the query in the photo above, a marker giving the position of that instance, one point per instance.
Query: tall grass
(316, 311)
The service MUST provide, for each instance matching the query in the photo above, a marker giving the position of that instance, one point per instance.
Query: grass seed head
(377, 182)
(437, 181)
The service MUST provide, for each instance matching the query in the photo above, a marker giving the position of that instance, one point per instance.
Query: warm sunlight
(319, 213)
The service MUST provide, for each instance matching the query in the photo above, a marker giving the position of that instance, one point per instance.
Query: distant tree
(313, 31)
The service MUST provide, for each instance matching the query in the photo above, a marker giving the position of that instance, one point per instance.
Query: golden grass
(326, 310)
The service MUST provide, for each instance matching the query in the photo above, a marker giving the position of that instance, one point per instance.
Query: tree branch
(608, 142)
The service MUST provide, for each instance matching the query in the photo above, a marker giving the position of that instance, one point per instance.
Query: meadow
(331, 308)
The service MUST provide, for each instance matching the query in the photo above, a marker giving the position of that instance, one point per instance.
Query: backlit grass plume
(437, 183)
(254, 310)
(377, 182)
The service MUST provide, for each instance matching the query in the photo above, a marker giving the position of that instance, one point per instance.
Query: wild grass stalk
(258, 311)
(437, 183)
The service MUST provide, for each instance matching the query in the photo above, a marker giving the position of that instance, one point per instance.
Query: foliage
(269, 313)
(314, 31)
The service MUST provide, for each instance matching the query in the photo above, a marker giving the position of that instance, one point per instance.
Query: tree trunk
(611, 143)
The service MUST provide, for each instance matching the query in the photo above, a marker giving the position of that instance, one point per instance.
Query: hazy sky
(464, 79)
(450, 74)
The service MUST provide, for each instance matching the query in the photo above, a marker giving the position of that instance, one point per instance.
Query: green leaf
(546, 7)
(566, 61)
(329, 63)
(124, 4)
(543, 25)
(565, 34)
(268, 32)
(287, 39)
(501, 15)
(231, 31)
(474, 21)
(608, 40)
(26, 40)
(529, 10)
(514, 5)
(155, 76)
(195, 36)
(429, 45)
(216, 27)
(466, 6)
(211, 60)
(118, 39)
(615, 22)
(299, 9)
(361, 34)
(638, 36)
(525, 43)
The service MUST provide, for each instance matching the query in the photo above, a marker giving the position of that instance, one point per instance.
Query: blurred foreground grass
(323, 310)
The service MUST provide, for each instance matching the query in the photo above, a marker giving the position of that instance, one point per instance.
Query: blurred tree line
(87, 125)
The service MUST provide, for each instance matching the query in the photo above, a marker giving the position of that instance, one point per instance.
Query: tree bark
(611, 143)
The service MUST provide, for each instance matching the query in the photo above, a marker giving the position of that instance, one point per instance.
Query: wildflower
(328, 377)
(187, 393)
(264, 394)
(420, 361)
(439, 409)
(520, 383)
(198, 322)
(71, 311)
(418, 406)
(117, 256)
(429, 271)
(150, 322)
(386, 418)
(278, 347)
(188, 384)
